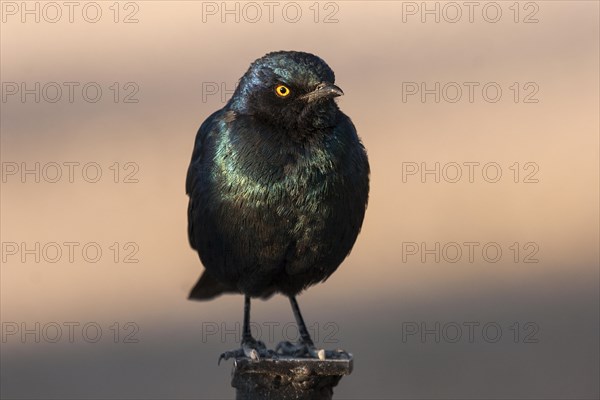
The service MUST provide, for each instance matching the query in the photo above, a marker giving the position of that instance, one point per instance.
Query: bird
(278, 187)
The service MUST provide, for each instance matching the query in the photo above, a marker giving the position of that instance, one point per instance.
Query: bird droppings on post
(288, 377)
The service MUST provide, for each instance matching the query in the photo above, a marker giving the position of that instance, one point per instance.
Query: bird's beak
(324, 90)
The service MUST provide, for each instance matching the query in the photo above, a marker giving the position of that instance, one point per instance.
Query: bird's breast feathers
(257, 174)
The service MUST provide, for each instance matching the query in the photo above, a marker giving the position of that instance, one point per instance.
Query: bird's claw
(252, 349)
(230, 354)
(338, 354)
(301, 349)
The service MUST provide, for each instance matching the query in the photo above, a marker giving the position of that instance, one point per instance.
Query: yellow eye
(282, 91)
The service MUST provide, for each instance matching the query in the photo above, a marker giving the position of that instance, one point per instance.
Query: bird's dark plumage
(278, 182)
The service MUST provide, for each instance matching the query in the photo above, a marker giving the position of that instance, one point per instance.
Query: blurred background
(476, 272)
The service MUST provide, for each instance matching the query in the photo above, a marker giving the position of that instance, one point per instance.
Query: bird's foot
(251, 348)
(303, 349)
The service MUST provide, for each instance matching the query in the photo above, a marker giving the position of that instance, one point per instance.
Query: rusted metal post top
(288, 378)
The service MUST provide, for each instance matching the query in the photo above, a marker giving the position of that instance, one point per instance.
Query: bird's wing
(207, 286)
(192, 181)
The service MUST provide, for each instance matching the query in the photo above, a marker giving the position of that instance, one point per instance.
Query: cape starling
(278, 186)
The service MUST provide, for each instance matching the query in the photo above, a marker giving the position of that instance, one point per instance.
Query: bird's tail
(208, 288)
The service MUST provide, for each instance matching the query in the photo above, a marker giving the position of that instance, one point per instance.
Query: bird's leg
(251, 348)
(304, 335)
(305, 346)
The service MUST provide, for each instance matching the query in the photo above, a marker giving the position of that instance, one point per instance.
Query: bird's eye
(282, 91)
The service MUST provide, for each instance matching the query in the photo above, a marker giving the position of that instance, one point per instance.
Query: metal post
(288, 378)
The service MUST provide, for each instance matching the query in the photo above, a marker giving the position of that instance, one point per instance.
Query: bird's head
(288, 89)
